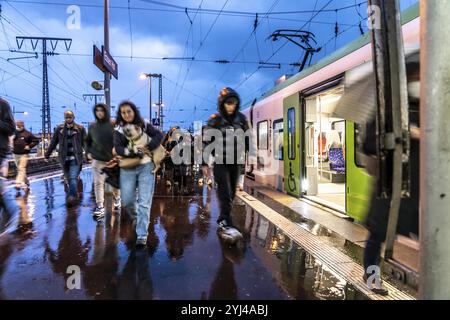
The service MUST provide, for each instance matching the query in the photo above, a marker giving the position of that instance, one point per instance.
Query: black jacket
(22, 139)
(99, 140)
(121, 142)
(227, 123)
(6, 127)
(60, 137)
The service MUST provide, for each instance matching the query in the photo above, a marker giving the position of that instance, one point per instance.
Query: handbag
(112, 176)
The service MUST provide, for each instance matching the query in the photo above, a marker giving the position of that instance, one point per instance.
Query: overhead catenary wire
(185, 52)
(241, 50)
(78, 97)
(243, 60)
(200, 46)
(216, 61)
(131, 30)
(24, 16)
(287, 41)
(186, 90)
(23, 32)
(35, 86)
(248, 15)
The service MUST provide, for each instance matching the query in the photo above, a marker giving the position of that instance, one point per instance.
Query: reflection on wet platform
(184, 258)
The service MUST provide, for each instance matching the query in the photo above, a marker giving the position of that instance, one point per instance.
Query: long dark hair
(137, 116)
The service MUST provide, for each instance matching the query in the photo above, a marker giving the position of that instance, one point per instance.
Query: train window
(291, 133)
(278, 139)
(262, 135)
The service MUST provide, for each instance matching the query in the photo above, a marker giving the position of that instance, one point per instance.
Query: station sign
(98, 59)
(105, 62)
(109, 63)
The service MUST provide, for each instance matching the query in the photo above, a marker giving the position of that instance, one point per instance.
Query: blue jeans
(142, 178)
(8, 207)
(71, 173)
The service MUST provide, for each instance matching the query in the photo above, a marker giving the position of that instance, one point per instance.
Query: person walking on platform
(70, 138)
(6, 130)
(228, 164)
(138, 174)
(99, 145)
(24, 141)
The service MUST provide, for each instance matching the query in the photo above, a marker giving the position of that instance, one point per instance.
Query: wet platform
(341, 232)
(184, 259)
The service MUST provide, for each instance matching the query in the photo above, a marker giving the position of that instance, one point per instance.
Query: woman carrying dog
(139, 174)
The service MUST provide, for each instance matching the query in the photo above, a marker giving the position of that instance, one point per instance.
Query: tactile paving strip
(341, 264)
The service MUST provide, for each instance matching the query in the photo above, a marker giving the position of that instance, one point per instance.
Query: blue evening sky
(147, 32)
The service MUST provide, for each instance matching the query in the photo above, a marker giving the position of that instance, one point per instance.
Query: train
(303, 148)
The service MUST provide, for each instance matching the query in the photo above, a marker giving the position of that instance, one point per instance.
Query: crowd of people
(107, 144)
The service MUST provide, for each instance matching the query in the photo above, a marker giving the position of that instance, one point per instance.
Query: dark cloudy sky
(147, 32)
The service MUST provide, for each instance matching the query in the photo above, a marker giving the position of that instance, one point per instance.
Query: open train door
(292, 151)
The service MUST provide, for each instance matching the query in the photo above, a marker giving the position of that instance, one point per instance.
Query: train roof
(407, 15)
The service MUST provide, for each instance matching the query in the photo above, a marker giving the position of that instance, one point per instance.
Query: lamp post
(144, 76)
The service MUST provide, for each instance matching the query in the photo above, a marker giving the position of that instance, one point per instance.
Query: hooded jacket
(99, 140)
(7, 127)
(22, 139)
(227, 123)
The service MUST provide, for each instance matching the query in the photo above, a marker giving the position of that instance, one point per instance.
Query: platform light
(143, 76)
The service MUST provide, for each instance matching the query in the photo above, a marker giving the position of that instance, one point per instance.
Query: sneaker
(141, 243)
(228, 233)
(209, 182)
(117, 204)
(168, 183)
(99, 212)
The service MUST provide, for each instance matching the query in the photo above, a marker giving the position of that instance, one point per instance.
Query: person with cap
(99, 144)
(225, 125)
(70, 138)
(24, 141)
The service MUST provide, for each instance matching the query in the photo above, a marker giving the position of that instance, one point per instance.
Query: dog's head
(132, 131)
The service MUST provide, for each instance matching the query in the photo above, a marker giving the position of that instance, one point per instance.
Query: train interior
(324, 150)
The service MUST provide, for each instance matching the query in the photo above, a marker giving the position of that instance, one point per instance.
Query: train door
(359, 182)
(324, 135)
(292, 151)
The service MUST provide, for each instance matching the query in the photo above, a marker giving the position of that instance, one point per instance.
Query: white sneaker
(117, 204)
(99, 212)
(209, 182)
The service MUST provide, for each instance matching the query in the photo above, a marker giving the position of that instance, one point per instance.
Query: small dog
(138, 142)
